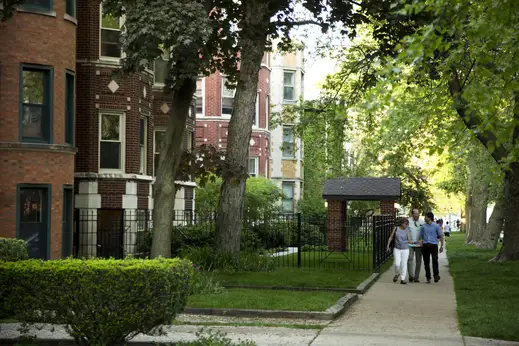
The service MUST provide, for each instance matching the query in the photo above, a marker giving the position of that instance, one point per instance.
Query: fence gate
(383, 225)
(110, 233)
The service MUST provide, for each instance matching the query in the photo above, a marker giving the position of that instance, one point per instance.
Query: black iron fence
(292, 240)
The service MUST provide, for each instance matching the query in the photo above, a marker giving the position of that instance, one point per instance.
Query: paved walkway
(394, 314)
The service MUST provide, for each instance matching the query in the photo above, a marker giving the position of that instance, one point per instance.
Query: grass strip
(487, 293)
(259, 299)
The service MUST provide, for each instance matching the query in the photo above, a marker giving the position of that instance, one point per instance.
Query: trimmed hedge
(101, 302)
(12, 249)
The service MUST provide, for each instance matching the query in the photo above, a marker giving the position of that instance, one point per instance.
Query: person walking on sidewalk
(414, 263)
(401, 250)
(430, 233)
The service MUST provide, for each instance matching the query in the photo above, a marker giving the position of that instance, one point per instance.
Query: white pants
(401, 257)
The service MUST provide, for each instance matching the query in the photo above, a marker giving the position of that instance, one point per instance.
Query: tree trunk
(468, 206)
(495, 225)
(479, 203)
(164, 190)
(510, 249)
(230, 207)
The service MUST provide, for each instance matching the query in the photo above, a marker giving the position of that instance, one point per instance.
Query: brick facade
(388, 208)
(212, 126)
(337, 230)
(46, 40)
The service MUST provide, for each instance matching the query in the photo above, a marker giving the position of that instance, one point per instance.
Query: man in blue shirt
(430, 232)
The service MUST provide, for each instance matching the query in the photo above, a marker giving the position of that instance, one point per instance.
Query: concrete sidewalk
(394, 314)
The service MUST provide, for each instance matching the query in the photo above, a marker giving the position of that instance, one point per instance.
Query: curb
(293, 288)
(334, 311)
(366, 284)
(473, 341)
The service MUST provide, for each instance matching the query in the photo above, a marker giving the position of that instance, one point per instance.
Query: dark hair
(447, 222)
(430, 215)
(402, 221)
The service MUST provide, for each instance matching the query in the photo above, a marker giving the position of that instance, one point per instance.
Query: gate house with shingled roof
(337, 192)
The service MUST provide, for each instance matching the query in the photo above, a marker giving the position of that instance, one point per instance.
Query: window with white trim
(227, 98)
(199, 96)
(143, 136)
(160, 68)
(288, 196)
(158, 141)
(253, 166)
(288, 142)
(111, 138)
(266, 167)
(110, 35)
(289, 85)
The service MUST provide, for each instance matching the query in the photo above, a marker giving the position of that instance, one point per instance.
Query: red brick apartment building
(78, 145)
(213, 113)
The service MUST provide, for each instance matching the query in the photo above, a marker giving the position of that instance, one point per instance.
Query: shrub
(215, 338)
(12, 249)
(101, 302)
(250, 241)
(272, 234)
(319, 248)
(205, 283)
(208, 260)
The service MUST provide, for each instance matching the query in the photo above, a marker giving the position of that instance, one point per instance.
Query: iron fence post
(299, 240)
(373, 220)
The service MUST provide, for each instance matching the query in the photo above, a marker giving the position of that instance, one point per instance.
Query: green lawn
(487, 293)
(266, 300)
(353, 259)
(297, 277)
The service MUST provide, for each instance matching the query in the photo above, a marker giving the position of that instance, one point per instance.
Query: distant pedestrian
(414, 263)
(431, 233)
(447, 229)
(402, 238)
(458, 224)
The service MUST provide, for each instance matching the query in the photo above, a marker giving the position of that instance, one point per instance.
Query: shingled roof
(374, 189)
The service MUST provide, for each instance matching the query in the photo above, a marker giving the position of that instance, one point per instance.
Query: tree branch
(298, 23)
(471, 120)
(468, 74)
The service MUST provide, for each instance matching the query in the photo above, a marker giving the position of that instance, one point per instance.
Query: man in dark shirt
(430, 232)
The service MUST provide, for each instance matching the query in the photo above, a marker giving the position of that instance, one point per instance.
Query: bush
(12, 249)
(205, 283)
(272, 234)
(250, 241)
(319, 248)
(101, 302)
(208, 260)
(215, 338)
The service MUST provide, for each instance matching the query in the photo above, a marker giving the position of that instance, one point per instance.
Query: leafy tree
(261, 197)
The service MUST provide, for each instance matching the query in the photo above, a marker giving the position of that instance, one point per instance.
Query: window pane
(69, 109)
(288, 78)
(227, 104)
(288, 93)
(110, 45)
(227, 92)
(71, 7)
(110, 127)
(288, 190)
(33, 87)
(156, 159)
(159, 140)
(142, 131)
(199, 97)
(37, 3)
(110, 22)
(161, 70)
(32, 122)
(288, 206)
(252, 166)
(31, 205)
(142, 163)
(110, 155)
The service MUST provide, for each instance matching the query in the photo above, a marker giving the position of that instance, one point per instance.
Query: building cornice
(126, 176)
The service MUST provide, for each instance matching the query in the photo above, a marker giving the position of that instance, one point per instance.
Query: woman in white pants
(402, 238)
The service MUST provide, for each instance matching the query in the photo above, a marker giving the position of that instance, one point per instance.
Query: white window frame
(283, 199)
(256, 123)
(121, 24)
(293, 154)
(122, 136)
(157, 129)
(165, 56)
(224, 78)
(267, 161)
(256, 167)
(293, 72)
(203, 98)
(143, 164)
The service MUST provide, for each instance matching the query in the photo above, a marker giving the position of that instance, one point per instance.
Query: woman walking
(402, 238)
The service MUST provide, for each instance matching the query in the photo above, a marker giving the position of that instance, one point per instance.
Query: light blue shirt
(414, 229)
(430, 233)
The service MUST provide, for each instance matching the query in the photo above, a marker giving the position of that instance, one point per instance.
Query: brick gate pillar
(388, 208)
(337, 226)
